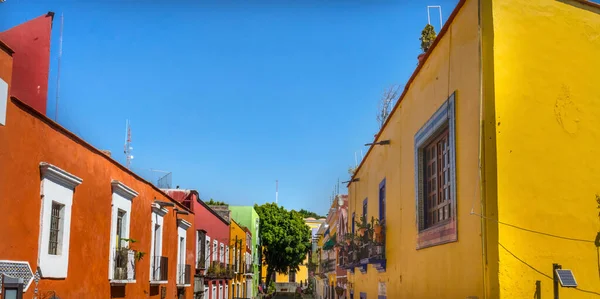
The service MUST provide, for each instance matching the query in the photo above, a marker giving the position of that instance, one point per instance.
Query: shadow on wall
(117, 292)
(154, 290)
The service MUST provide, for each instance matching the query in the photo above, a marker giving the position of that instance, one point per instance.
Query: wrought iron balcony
(160, 269)
(184, 275)
(123, 265)
(219, 270)
(201, 260)
(228, 272)
(249, 269)
(327, 265)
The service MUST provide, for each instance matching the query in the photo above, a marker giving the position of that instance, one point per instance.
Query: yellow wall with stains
(237, 234)
(452, 270)
(547, 129)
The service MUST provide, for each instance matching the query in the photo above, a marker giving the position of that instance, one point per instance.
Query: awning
(330, 243)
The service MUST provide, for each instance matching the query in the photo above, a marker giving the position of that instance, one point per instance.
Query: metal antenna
(429, 18)
(128, 147)
(62, 18)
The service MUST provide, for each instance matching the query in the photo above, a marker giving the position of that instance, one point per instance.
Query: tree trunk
(269, 275)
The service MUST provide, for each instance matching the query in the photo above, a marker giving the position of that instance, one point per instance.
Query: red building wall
(208, 220)
(30, 138)
(31, 60)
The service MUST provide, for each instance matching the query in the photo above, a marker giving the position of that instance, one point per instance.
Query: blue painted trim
(353, 221)
(365, 208)
(381, 199)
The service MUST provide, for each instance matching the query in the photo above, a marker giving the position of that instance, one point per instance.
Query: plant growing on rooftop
(390, 95)
(213, 202)
(428, 35)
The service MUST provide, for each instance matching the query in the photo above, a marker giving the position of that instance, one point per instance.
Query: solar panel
(566, 278)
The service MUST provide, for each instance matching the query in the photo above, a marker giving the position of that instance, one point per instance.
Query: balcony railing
(160, 268)
(184, 275)
(328, 265)
(124, 264)
(220, 270)
(363, 253)
(249, 269)
(201, 260)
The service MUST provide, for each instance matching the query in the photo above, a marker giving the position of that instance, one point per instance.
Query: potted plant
(339, 291)
(139, 255)
(348, 238)
(378, 230)
(362, 225)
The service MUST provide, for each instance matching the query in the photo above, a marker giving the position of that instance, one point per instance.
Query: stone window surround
(182, 227)
(121, 200)
(157, 218)
(58, 186)
(445, 232)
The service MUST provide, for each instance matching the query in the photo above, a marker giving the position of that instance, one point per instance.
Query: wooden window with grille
(437, 182)
(55, 218)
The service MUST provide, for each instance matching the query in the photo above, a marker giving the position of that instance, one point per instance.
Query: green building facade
(247, 216)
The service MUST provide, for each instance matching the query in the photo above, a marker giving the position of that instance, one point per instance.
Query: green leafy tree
(428, 35)
(306, 214)
(285, 239)
(212, 202)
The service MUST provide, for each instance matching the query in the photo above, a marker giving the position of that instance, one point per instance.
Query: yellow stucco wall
(547, 99)
(452, 270)
(235, 230)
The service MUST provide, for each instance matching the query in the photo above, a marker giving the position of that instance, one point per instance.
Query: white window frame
(57, 186)
(207, 254)
(197, 247)
(3, 101)
(215, 253)
(221, 253)
(121, 200)
(182, 227)
(157, 218)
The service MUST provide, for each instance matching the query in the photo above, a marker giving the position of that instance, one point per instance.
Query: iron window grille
(54, 228)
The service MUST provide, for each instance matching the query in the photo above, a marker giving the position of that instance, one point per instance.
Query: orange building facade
(76, 223)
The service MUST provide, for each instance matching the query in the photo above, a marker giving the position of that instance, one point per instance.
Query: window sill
(153, 282)
(442, 233)
(121, 282)
(183, 285)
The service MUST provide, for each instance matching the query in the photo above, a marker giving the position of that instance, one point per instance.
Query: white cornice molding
(183, 224)
(157, 209)
(123, 190)
(54, 173)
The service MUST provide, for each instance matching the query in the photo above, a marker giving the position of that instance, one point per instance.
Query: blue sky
(231, 95)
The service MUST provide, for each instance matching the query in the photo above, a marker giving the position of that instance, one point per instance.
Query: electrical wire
(533, 231)
(540, 272)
